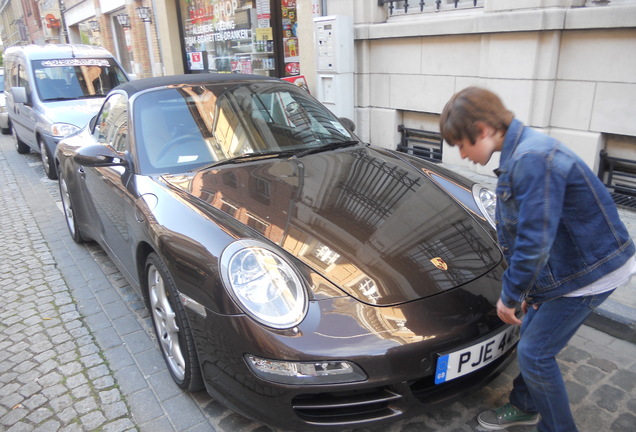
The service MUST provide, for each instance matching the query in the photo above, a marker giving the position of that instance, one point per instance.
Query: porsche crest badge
(439, 263)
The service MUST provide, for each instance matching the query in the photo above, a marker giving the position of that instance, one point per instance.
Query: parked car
(305, 279)
(4, 117)
(54, 90)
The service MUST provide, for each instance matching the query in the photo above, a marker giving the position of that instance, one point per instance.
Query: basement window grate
(421, 143)
(619, 176)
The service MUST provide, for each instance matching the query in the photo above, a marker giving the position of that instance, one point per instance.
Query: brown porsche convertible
(303, 278)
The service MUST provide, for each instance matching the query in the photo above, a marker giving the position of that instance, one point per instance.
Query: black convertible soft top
(136, 86)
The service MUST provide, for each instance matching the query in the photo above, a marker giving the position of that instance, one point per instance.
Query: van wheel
(47, 160)
(21, 147)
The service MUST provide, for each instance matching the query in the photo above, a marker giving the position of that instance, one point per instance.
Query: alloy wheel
(66, 204)
(165, 321)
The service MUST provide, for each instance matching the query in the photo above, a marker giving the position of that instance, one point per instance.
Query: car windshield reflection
(186, 128)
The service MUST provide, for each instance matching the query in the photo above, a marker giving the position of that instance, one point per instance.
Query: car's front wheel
(171, 326)
(47, 160)
(69, 214)
(21, 147)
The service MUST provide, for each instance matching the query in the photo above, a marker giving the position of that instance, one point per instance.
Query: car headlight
(305, 373)
(487, 202)
(264, 284)
(63, 129)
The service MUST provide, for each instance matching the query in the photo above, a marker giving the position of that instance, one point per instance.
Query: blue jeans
(544, 333)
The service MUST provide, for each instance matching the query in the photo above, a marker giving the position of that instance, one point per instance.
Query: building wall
(12, 22)
(566, 67)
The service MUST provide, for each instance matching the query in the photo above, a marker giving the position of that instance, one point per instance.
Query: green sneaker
(506, 416)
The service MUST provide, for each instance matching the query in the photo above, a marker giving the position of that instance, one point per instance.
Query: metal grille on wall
(417, 6)
(619, 176)
(421, 143)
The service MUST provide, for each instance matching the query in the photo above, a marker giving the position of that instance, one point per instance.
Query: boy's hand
(507, 314)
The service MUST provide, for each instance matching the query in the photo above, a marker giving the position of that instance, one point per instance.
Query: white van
(54, 90)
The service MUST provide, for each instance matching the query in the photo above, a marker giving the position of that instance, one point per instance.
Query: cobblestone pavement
(77, 351)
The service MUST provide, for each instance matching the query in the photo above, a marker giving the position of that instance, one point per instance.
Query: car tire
(69, 213)
(47, 160)
(171, 325)
(21, 147)
(6, 131)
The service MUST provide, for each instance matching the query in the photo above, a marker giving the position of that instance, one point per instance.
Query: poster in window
(290, 37)
(195, 60)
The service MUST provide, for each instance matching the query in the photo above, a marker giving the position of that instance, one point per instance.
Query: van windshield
(67, 79)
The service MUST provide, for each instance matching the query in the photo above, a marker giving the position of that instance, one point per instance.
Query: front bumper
(397, 347)
(4, 120)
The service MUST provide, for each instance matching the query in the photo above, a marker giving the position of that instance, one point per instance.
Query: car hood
(382, 230)
(77, 112)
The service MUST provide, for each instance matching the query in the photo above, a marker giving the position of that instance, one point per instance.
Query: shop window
(241, 36)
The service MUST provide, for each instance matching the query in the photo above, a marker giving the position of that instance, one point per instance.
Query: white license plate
(466, 360)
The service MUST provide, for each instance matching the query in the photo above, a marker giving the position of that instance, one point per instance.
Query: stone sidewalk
(53, 375)
(77, 351)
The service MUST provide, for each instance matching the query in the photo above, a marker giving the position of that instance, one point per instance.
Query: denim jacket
(557, 225)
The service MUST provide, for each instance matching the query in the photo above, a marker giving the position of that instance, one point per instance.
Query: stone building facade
(567, 67)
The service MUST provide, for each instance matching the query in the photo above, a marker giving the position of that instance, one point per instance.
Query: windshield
(68, 79)
(180, 129)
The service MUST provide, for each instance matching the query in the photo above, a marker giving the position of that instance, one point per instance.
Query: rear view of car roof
(136, 86)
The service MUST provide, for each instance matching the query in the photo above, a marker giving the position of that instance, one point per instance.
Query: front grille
(343, 408)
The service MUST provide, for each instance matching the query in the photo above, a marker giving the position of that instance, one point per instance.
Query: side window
(23, 79)
(111, 126)
(13, 76)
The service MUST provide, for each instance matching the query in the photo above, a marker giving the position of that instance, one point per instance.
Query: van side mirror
(19, 95)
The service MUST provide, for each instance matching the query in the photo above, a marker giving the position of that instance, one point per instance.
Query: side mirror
(348, 123)
(19, 95)
(99, 156)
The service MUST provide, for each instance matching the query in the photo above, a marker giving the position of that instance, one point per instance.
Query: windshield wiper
(326, 147)
(247, 157)
(90, 96)
(58, 99)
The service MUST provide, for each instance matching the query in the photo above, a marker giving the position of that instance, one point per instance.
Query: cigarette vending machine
(335, 64)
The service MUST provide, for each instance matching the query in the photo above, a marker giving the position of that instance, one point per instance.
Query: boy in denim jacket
(566, 248)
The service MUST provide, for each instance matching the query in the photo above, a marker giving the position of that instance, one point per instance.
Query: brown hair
(468, 106)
